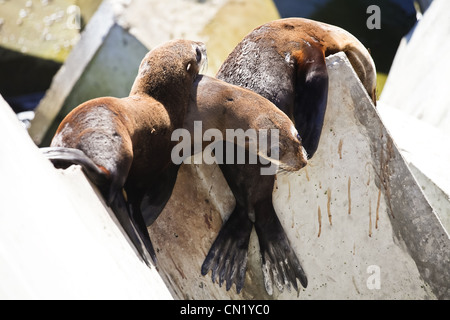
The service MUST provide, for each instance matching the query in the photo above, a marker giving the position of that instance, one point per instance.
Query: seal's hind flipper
(156, 197)
(311, 95)
(141, 228)
(279, 262)
(227, 257)
(128, 223)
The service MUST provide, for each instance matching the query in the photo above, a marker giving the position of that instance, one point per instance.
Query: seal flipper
(126, 219)
(156, 197)
(141, 229)
(311, 94)
(228, 254)
(146, 209)
(63, 157)
(279, 262)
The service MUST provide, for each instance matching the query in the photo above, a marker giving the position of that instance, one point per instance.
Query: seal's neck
(166, 87)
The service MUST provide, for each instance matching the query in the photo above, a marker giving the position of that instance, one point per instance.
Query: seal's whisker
(283, 171)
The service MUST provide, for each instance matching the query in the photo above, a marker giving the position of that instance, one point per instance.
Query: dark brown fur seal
(222, 106)
(283, 61)
(126, 143)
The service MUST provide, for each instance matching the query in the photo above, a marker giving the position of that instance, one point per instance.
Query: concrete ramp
(103, 63)
(418, 83)
(355, 215)
(415, 105)
(58, 240)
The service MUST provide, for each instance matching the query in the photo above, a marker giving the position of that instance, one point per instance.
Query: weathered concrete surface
(106, 59)
(58, 240)
(104, 63)
(421, 144)
(221, 24)
(418, 81)
(45, 29)
(415, 104)
(354, 210)
(35, 38)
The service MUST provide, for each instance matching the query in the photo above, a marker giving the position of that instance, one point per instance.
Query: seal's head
(293, 155)
(173, 66)
(284, 144)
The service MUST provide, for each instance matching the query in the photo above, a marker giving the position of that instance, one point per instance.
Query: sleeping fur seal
(283, 61)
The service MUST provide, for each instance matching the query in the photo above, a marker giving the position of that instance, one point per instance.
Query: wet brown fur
(325, 38)
(143, 122)
(220, 105)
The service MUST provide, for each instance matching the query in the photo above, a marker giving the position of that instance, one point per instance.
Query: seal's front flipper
(279, 262)
(228, 255)
(311, 94)
(123, 214)
(156, 197)
(139, 224)
(63, 158)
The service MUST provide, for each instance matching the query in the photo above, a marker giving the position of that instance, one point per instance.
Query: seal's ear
(311, 92)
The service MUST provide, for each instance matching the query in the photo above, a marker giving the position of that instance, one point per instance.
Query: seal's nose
(304, 157)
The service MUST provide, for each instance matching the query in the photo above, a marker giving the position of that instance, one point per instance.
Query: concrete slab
(221, 24)
(58, 240)
(421, 145)
(106, 59)
(418, 82)
(104, 63)
(415, 105)
(45, 29)
(355, 215)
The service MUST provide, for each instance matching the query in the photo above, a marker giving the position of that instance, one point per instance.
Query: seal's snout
(301, 158)
(304, 158)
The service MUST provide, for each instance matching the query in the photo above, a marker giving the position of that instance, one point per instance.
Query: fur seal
(283, 61)
(125, 144)
(222, 106)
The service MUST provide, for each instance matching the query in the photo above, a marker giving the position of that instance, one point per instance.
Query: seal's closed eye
(199, 55)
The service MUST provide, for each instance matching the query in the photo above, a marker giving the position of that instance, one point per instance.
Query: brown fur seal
(222, 106)
(126, 143)
(283, 61)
